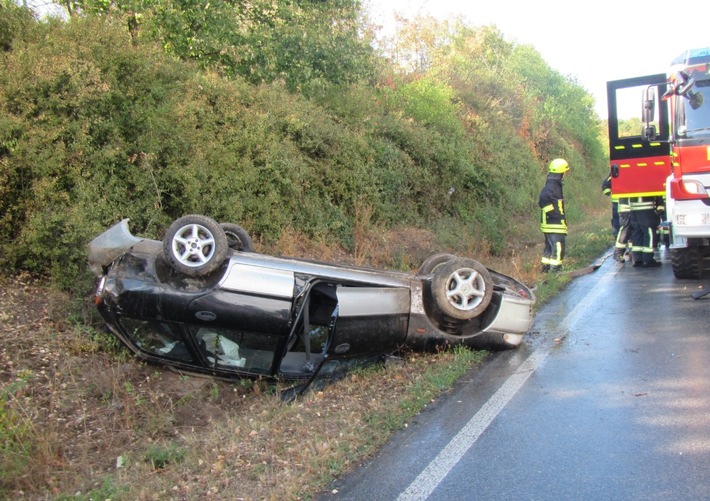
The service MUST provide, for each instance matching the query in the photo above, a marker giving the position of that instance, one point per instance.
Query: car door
(370, 320)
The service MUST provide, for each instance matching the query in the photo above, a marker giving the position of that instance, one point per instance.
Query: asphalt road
(608, 399)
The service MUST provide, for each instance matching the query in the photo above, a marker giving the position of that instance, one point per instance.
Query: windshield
(695, 122)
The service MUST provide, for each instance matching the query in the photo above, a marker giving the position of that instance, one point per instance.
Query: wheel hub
(194, 246)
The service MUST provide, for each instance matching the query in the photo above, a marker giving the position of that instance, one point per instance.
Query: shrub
(97, 126)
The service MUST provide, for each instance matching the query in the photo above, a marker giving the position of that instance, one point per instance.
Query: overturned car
(202, 301)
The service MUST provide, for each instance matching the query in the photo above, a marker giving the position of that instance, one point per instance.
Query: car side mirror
(648, 108)
(648, 111)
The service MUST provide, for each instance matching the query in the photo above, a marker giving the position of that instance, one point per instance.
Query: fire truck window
(629, 105)
(698, 121)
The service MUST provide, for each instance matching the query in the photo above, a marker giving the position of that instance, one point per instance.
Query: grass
(81, 420)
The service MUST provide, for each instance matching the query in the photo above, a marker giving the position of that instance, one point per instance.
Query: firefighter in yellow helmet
(553, 223)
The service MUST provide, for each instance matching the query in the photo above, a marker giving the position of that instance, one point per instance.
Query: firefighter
(644, 223)
(553, 224)
(623, 237)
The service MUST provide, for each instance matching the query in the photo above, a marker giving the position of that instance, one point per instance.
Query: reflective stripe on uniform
(641, 203)
(554, 228)
(555, 260)
(545, 227)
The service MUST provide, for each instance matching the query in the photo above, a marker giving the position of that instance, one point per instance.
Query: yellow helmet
(558, 166)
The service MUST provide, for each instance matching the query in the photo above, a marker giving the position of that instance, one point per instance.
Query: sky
(592, 42)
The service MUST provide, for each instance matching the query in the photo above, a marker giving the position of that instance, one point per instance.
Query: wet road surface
(608, 399)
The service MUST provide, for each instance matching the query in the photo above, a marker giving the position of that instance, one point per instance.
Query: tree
(297, 41)
(14, 21)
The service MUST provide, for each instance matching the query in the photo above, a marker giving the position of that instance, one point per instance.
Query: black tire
(432, 262)
(195, 245)
(687, 262)
(237, 237)
(462, 288)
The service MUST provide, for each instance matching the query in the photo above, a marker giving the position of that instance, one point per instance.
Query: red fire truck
(669, 154)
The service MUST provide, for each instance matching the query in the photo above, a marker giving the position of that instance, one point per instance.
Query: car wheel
(195, 245)
(462, 288)
(237, 237)
(432, 262)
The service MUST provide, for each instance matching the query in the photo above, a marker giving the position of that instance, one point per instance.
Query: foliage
(162, 456)
(13, 21)
(630, 127)
(99, 124)
(299, 42)
(519, 114)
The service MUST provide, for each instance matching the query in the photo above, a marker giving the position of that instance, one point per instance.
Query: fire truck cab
(668, 154)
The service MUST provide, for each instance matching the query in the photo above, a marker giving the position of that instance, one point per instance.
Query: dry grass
(79, 419)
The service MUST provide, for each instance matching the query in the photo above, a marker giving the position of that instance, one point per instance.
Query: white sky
(592, 42)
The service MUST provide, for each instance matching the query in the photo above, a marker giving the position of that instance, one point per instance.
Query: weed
(16, 438)
(87, 339)
(436, 378)
(214, 391)
(107, 490)
(185, 400)
(161, 456)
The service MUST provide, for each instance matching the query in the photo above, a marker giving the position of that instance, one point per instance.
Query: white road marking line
(443, 463)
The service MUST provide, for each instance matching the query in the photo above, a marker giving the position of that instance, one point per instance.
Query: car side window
(157, 338)
(241, 350)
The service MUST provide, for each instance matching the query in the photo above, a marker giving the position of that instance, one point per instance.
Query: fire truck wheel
(687, 262)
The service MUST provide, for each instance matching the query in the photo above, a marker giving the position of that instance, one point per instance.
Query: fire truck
(668, 155)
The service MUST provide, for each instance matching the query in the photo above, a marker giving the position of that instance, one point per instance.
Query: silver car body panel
(372, 302)
(258, 280)
(514, 316)
(335, 272)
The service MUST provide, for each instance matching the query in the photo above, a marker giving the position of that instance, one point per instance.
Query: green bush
(97, 125)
